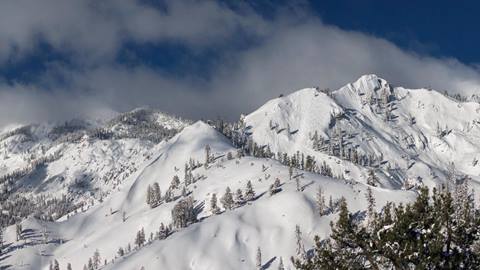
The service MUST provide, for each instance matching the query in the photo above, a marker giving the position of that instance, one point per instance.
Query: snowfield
(407, 138)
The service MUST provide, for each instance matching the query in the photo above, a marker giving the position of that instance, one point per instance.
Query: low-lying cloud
(288, 54)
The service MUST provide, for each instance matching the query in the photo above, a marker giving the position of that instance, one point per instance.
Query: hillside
(368, 134)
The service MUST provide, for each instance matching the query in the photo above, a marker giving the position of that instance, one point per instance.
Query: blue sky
(62, 59)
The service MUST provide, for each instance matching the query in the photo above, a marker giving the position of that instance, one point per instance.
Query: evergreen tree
(157, 195)
(371, 206)
(227, 199)
(168, 197)
(239, 200)
(1, 240)
(18, 231)
(162, 232)
(56, 266)
(149, 196)
(259, 258)
(372, 179)
(120, 252)
(69, 266)
(96, 259)
(90, 264)
(213, 204)
(183, 213)
(140, 238)
(321, 202)
(207, 155)
(280, 264)
(430, 233)
(249, 192)
(299, 243)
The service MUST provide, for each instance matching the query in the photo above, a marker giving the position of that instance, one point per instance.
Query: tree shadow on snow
(269, 263)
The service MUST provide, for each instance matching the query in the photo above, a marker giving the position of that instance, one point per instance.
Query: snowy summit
(146, 190)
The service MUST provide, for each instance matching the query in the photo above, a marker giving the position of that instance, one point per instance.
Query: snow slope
(396, 126)
(225, 241)
(408, 141)
(87, 159)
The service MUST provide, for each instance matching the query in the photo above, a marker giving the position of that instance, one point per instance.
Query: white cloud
(291, 53)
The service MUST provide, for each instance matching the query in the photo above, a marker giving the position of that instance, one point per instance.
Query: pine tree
(96, 259)
(299, 243)
(276, 183)
(69, 266)
(271, 190)
(207, 156)
(90, 264)
(149, 196)
(1, 240)
(259, 258)
(56, 266)
(321, 202)
(175, 182)
(120, 252)
(239, 200)
(249, 192)
(280, 264)
(157, 195)
(183, 213)
(297, 183)
(227, 199)
(213, 204)
(18, 230)
(168, 197)
(372, 179)
(162, 232)
(371, 206)
(140, 238)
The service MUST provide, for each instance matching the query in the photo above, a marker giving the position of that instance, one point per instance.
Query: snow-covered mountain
(83, 159)
(365, 134)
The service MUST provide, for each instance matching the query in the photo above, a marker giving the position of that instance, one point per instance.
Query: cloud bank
(290, 51)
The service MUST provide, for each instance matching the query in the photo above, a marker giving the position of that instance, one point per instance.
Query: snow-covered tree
(184, 213)
(168, 197)
(259, 258)
(56, 266)
(280, 264)
(299, 243)
(18, 231)
(213, 204)
(239, 200)
(372, 178)
(249, 192)
(149, 196)
(120, 252)
(175, 182)
(156, 193)
(96, 259)
(207, 155)
(371, 205)
(162, 232)
(227, 199)
(140, 238)
(320, 200)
